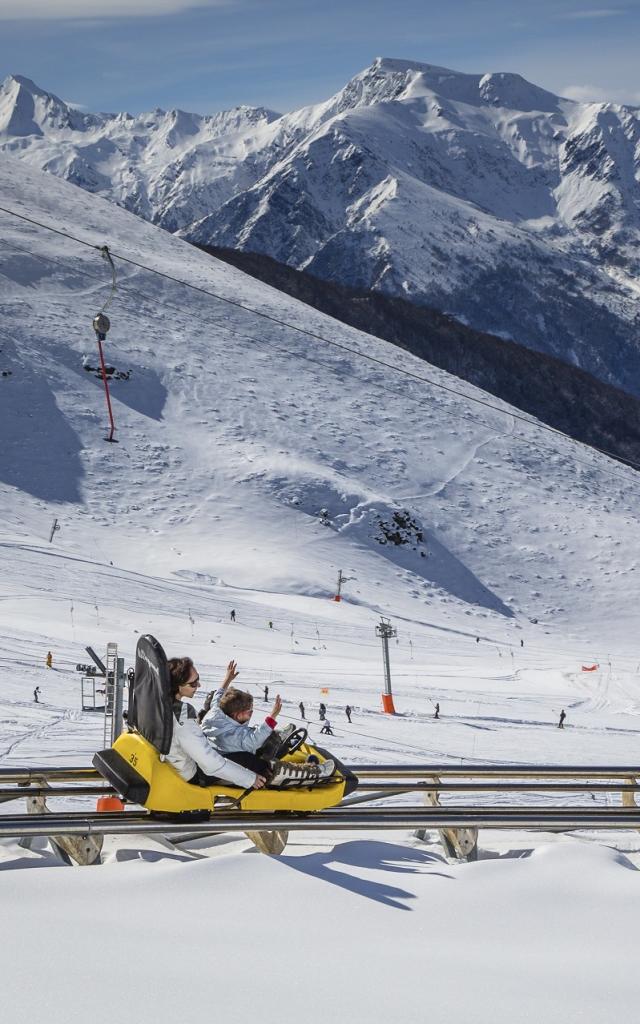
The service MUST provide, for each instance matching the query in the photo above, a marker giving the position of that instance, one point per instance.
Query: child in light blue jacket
(226, 726)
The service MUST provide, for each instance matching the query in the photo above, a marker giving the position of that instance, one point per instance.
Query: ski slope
(234, 432)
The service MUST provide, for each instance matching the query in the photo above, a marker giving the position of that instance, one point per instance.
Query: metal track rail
(382, 789)
(490, 771)
(123, 823)
(28, 775)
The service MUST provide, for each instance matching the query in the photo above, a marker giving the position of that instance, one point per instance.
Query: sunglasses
(194, 682)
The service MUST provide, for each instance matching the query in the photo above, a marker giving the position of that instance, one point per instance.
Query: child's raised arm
(230, 675)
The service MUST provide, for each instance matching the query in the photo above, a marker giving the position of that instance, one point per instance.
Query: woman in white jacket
(191, 753)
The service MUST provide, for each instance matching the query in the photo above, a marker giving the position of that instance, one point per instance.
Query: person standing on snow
(49, 660)
(301, 709)
(266, 693)
(35, 694)
(347, 712)
(437, 711)
(563, 715)
(233, 615)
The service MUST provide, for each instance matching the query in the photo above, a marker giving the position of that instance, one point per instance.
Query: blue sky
(208, 55)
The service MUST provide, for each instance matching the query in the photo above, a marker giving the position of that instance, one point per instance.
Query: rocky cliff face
(483, 196)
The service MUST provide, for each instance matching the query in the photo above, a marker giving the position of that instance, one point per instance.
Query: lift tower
(385, 631)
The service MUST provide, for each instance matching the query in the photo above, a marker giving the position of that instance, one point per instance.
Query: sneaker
(288, 773)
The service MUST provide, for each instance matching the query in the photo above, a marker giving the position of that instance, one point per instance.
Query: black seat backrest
(150, 698)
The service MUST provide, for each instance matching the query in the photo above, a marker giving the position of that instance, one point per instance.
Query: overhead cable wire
(235, 333)
(327, 341)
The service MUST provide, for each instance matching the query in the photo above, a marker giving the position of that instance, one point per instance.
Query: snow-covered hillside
(255, 461)
(482, 195)
(235, 432)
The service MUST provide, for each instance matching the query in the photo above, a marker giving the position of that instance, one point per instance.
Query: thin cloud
(54, 10)
(596, 94)
(603, 12)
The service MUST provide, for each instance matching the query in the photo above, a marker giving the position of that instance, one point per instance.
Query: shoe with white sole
(302, 773)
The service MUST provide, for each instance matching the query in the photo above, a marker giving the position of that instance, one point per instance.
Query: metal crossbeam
(371, 771)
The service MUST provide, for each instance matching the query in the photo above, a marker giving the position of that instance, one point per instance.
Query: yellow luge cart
(137, 769)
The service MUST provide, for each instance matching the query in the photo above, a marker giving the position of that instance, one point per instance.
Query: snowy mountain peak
(505, 89)
(385, 80)
(26, 109)
(507, 201)
(18, 106)
(389, 78)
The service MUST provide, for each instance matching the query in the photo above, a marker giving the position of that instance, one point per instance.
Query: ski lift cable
(208, 322)
(235, 333)
(327, 341)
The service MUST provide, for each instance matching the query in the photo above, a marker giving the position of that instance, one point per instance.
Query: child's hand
(260, 782)
(230, 674)
(277, 707)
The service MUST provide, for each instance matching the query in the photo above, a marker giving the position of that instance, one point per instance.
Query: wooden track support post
(459, 843)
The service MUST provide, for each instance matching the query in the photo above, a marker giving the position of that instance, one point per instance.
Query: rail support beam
(629, 794)
(82, 850)
(458, 843)
(272, 843)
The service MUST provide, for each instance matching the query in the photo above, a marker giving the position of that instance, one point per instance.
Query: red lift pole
(101, 325)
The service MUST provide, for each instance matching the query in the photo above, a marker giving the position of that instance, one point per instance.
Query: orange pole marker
(387, 704)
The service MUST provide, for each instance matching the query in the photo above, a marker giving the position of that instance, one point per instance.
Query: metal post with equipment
(342, 579)
(88, 692)
(88, 681)
(385, 631)
(114, 695)
(101, 325)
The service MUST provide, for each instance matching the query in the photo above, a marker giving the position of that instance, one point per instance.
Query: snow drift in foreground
(358, 930)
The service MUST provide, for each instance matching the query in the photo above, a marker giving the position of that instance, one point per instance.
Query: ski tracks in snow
(37, 733)
(438, 489)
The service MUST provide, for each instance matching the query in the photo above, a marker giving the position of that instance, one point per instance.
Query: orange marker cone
(109, 803)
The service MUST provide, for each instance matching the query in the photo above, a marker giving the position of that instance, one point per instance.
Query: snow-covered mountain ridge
(157, 164)
(481, 195)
